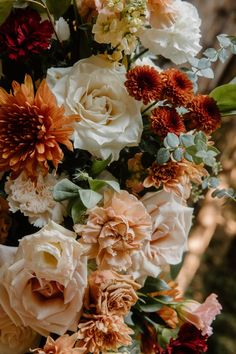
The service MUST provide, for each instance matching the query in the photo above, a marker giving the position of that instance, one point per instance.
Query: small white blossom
(35, 199)
(62, 29)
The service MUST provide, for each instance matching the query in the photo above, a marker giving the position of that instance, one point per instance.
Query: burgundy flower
(189, 341)
(23, 34)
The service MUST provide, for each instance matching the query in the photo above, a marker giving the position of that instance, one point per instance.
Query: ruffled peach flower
(200, 315)
(62, 345)
(112, 293)
(103, 333)
(32, 127)
(115, 230)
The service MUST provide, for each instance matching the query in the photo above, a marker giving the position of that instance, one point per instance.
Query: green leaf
(213, 182)
(154, 284)
(208, 73)
(77, 210)
(200, 136)
(58, 7)
(178, 154)
(5, 9)
(89, 198)
(187, 140)
(225, 96)
(99, 165)
(163, 155)
(202, 154)
(171, 140)
(65, 189)
(96, 184)
(151, 305)
(224, 40)
(211, 53)
(188, 156)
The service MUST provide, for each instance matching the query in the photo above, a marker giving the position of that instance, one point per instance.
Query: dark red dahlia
(189, 341)
(23, 34)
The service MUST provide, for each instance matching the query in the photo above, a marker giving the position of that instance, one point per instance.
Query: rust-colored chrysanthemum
(31, 129)
(177, 88)
(166, 120)
(204, 114)
(144, 83)
(166, 175)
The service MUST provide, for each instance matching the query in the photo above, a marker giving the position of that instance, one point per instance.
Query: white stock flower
(35, 198)
(15, 339)
(108, 29)
(62, 29)
(178, 42)
(171, 222)
(44, 286)
(94, 89)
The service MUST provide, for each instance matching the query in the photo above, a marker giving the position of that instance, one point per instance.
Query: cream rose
(94, 89)
(171, 222)
(44, 286)
(15, 339)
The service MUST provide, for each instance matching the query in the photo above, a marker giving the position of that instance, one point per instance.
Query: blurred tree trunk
(218, 16)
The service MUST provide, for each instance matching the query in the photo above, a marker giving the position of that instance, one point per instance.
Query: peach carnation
(112, 293)
(103, 333)
(115, 230)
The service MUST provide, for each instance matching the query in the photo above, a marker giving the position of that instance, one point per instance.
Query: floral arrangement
(105, 144)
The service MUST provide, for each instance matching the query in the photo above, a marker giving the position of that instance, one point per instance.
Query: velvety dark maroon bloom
(23, 34)
(189, 341)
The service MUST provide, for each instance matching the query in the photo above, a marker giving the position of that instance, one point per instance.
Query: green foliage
(5, 9)
(153, 285)
(58, 7)
(99, 165)
(225, 96)
(224, 193)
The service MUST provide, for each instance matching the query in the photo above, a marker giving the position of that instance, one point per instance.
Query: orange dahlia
(177, 88)
(32, 127)
(166, 120)
(203, 114)
(144, 83)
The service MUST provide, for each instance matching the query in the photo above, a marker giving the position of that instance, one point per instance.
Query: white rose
(178, 42)
(62, 29)
(15, 339)
(109, 118)
(44, 287)
(171, 222)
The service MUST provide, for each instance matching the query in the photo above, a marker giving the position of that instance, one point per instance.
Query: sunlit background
(210, 265)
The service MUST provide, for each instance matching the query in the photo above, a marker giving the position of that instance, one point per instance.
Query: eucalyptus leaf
(171, 140)
(89, 198)
(187, 140)
(178, 154)
(163, 155)
(5, 9)
(65, 189)
(208, 73)
(151, 306)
